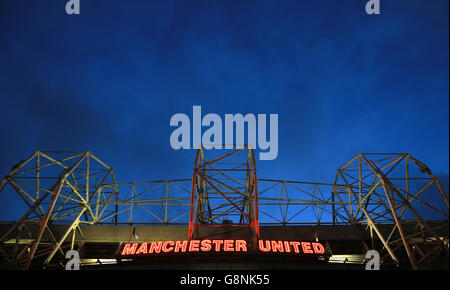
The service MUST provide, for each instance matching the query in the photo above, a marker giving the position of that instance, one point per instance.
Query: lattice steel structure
(393, 199)
(378, 190)
(59, 187)
(224, 193)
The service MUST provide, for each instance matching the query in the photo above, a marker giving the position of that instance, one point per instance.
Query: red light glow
(221, 246)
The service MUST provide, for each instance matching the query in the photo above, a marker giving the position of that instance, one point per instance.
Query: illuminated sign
(139, 249)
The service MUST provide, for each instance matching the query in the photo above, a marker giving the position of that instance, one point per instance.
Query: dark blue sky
(108, 80)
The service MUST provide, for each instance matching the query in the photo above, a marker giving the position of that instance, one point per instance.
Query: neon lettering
(165, 249)
(228, 246)
(217, 243)
(277, 246)
(241, 245)
(262, 248)
(206, 245)
(193, 246)
(180, 245)
(142, 249)
(295, 245)
(306, 246)
(318, 248)
(222, 245)
(129, 249)
(155, 247)
(287, 249)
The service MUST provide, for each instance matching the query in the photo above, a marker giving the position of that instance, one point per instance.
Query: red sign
(221, 246)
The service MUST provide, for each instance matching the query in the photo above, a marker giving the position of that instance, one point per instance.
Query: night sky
(108, 81)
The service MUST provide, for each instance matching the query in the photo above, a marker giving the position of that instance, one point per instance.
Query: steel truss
(224, 193)
(383, 195)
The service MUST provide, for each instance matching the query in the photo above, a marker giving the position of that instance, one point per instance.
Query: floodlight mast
(224, 189)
